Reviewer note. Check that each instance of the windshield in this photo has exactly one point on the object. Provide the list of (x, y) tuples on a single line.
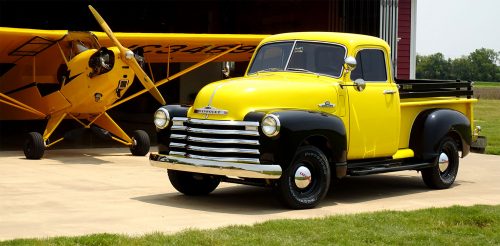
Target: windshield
[(301, 56)]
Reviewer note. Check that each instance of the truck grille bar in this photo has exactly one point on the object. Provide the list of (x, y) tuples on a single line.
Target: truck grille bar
[(225, 141)]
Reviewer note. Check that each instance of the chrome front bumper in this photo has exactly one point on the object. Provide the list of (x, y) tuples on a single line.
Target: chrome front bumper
[(242, 170)]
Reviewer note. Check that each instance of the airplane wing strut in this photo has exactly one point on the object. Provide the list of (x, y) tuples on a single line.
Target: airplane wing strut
[(163, 81), (17, 104)]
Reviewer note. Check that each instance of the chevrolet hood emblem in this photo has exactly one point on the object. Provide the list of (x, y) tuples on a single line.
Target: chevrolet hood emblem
[(210, 110)]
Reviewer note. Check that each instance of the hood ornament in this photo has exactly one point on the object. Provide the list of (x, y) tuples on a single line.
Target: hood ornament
[(326, 104)]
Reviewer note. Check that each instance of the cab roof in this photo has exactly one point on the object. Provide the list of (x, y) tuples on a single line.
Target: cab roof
[(348, 39)]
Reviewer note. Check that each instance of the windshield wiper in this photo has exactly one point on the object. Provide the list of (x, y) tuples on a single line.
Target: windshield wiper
[(271, 69), (300, 70)]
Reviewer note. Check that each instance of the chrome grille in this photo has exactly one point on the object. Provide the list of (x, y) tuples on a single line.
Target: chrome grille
[(229, 141)]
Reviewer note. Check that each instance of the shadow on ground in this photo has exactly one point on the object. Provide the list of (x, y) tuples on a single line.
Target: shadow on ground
[(256, 200)]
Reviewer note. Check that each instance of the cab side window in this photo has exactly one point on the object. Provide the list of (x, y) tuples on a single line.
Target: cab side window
[(371, 66)]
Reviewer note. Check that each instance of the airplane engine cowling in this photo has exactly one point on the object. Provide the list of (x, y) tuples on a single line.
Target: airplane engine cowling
[(101, 62)]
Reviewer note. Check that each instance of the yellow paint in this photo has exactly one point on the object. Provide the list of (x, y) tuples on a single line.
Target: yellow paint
[(377, 124), (403, 153), (52, 124)]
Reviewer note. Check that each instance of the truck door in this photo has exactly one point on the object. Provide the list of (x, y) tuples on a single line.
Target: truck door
[(373, 112)]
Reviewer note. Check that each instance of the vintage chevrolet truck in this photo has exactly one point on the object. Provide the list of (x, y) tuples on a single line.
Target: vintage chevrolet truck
[(312, 108)]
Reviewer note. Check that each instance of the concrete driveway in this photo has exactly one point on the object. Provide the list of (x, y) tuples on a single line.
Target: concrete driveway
[(83, 191)]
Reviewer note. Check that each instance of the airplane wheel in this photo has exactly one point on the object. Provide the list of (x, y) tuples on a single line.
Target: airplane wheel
[(141, 143), (34, 147)]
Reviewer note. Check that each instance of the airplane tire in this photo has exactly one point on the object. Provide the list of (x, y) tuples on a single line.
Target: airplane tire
[(141, 143), (34, 147)]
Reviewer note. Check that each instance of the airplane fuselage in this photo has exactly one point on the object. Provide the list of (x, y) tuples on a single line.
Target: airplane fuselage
[(90, 93)]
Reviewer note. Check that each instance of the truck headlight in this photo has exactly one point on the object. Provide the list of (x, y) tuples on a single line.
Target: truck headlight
[(161, 118), (271, 125)]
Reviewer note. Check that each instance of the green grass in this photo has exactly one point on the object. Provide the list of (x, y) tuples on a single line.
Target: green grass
[(487, 115), (477, 225), (486, 84)]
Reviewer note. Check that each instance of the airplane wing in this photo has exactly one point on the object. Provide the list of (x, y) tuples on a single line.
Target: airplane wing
[(30, 61), (187, 47)]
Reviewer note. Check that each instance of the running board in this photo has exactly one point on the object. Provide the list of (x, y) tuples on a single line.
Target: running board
[(359, 171)]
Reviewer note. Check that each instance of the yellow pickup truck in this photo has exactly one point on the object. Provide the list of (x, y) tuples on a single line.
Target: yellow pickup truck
[(314, 107)]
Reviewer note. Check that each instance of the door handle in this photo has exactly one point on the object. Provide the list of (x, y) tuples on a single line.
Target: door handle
[(389, 92)]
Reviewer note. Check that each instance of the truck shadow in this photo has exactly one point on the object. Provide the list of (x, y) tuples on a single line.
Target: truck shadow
[(255, 200)]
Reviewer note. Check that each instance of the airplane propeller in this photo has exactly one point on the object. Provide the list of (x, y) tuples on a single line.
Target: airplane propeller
[(129, 58)]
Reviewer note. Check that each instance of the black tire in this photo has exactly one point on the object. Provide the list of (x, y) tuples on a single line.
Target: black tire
[(442, 176), (34, 147), (193, 184), (293, 196), (141, 144)]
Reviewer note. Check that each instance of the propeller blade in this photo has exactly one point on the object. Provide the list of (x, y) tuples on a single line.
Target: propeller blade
[(107, 30), (129, 58)]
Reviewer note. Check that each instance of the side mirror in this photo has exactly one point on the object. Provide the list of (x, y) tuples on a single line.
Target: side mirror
[(227, 68), (350, 63), (360, 84)]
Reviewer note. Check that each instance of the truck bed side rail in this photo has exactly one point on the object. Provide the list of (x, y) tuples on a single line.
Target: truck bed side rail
[(433, 88)]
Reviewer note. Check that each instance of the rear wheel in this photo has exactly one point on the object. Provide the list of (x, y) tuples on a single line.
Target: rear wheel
[(443, 173), (193, 184), (34, 146), (141, 144), (306, 180)]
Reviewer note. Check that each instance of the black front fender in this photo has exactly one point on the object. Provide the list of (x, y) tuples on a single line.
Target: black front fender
[(298, 126)]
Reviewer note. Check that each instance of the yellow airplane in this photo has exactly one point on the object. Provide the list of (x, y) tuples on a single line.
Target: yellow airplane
[(59, 74)]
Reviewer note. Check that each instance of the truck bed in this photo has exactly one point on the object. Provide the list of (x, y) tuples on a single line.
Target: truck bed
[(419, 88), (419, 95)]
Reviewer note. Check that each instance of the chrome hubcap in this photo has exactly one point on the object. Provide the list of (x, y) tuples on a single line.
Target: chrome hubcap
[(302, 177), (443, 162)]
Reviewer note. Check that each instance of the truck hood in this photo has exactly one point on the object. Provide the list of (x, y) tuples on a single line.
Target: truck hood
[(266, 92)]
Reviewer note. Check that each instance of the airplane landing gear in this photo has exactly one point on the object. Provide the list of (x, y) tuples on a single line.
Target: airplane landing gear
[(140, 145), (34, 146)]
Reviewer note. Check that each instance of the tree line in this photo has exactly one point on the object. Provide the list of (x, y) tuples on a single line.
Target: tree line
[(480, 65)]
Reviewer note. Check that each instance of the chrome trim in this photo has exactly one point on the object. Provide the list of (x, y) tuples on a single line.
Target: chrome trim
[(177, 153), (225, 159), (177, 145), (167, 118), (302, 177), (223, 122), (213, 95), (278, 125), (327, 104), (223, 132), (208, 110), (178, 136), (223, 150), (216, 168), (179, 119), (223, 141), (181, 128)]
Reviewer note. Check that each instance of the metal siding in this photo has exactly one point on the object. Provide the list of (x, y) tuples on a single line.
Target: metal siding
[(404, 33)]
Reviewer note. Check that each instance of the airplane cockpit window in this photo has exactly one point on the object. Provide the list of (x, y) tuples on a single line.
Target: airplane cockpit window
[(78, 47), (77, 42)]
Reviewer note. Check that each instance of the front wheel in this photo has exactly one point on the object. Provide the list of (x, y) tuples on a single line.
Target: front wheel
[(306, 180), (34, 146), (140, 143), (193, 184), (443, 173)]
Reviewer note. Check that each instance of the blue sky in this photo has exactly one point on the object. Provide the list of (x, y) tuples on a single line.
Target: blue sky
[(457, 27)]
